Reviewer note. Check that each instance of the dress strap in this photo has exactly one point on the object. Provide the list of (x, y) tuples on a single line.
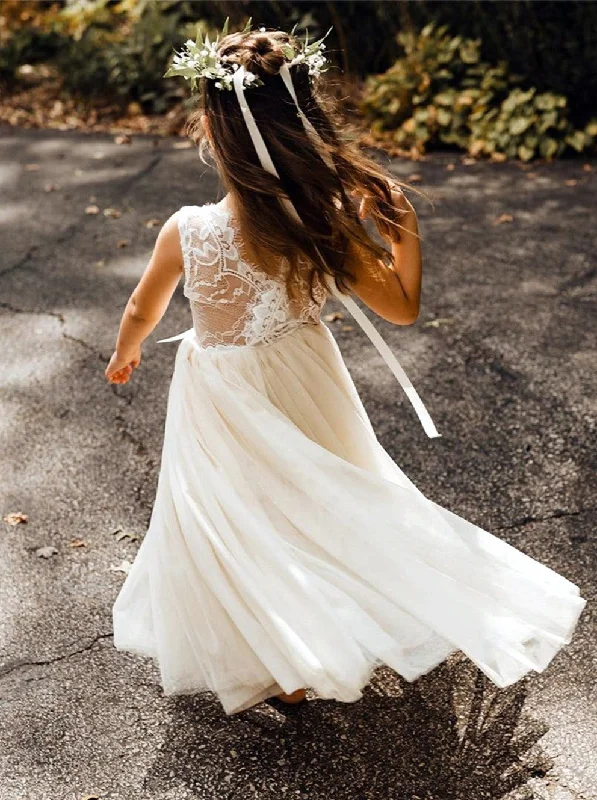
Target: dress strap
[(392, 362), (183, 216)]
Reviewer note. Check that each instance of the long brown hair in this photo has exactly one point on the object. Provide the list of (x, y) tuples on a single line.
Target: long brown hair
[(320, 194)]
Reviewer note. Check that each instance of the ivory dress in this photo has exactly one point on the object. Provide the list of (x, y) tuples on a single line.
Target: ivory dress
[(286, 549)]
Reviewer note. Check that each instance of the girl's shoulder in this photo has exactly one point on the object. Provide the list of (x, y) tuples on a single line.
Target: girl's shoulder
[(209, 221), (199, 212)]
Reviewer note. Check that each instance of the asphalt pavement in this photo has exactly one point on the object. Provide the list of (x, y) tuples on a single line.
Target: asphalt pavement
[(504, 356)]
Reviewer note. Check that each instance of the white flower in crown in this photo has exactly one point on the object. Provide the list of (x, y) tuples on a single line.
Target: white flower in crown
[(199, 59)]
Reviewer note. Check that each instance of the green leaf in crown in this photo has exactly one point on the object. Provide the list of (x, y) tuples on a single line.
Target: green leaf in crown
[(199, 59)]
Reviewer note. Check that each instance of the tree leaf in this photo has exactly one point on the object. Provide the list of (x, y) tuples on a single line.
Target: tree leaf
[(503, 218), (46, 552), (113, 213), (436, 323), (16, 518), (124, 566), (121, 534), (133, 537)]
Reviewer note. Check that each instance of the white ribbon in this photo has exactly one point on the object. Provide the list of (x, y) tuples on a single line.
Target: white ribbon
[(266, 162)]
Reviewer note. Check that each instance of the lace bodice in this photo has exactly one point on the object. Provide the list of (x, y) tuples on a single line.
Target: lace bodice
[(234, 302)]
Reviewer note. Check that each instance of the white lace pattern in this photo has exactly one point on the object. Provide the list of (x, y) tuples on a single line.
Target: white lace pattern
[(234, 302)]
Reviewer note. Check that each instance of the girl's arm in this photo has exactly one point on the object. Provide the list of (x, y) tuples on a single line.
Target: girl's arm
[(148, 302), (392, 293)]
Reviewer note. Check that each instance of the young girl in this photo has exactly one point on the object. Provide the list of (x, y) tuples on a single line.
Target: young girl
[(286, 549)]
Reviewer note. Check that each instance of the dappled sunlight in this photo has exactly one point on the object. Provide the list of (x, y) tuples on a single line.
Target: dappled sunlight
[(11, 214), (502, 367)]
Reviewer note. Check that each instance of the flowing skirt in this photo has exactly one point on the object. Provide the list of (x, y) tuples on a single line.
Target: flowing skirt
[(286, 549)]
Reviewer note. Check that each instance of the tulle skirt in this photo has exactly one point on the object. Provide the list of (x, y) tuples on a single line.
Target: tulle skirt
[(286, 549)]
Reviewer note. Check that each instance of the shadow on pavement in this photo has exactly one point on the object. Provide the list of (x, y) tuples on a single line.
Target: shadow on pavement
[(452, 734)]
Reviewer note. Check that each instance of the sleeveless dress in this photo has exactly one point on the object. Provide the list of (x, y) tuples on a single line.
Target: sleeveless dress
[(286, 549)]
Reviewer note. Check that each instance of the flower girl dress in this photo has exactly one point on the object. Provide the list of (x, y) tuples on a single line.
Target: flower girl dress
[(286, 549)]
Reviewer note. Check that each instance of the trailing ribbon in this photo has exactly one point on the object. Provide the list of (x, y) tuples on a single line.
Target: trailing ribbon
[(360, 318), (392, 362)]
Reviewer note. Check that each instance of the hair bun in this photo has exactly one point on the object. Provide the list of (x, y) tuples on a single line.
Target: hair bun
[(263, 57)]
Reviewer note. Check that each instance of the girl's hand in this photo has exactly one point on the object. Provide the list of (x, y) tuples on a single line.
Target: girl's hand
[(119, 370)]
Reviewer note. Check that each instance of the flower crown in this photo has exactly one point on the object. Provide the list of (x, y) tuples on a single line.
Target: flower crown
[(199, 59)]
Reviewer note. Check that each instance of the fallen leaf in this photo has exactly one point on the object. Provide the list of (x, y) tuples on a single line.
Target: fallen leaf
[(498, 158), (16, 518), (92, 210), (153, 223), (531, 175), (100, 263), (46, 552), (78, 543), (336, 315), (468, 161), (503, 218), (571, 182), (133, 537), (113, 213), (587, 168), (347, 328), (121, 534), (124, 566), (134, 109), (415, 177), (50, 187), (122, 243), (98, 156), (450, 167), (123, 138), (32, 167), (182, 145), (435, 323)]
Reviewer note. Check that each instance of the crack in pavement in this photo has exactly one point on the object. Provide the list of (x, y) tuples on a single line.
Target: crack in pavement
[(15, 665), (62, 320), (578, 281), (129, 182), (557, 514), (21, 261), (61, 238), (68, 233), (15, 310)]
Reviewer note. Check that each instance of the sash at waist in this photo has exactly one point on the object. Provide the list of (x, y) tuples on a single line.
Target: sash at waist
[(382, 348)]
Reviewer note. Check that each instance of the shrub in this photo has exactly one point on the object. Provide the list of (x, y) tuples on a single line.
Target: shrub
[(123, 58), (442, 92), (113, 50), (24, 37)]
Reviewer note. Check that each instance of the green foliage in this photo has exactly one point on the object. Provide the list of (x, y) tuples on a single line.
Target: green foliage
[(24, 39), (553, 43), (442, 92), (124, 61)]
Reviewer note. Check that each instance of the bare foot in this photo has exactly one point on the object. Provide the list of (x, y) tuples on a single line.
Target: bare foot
[(295, 697)]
